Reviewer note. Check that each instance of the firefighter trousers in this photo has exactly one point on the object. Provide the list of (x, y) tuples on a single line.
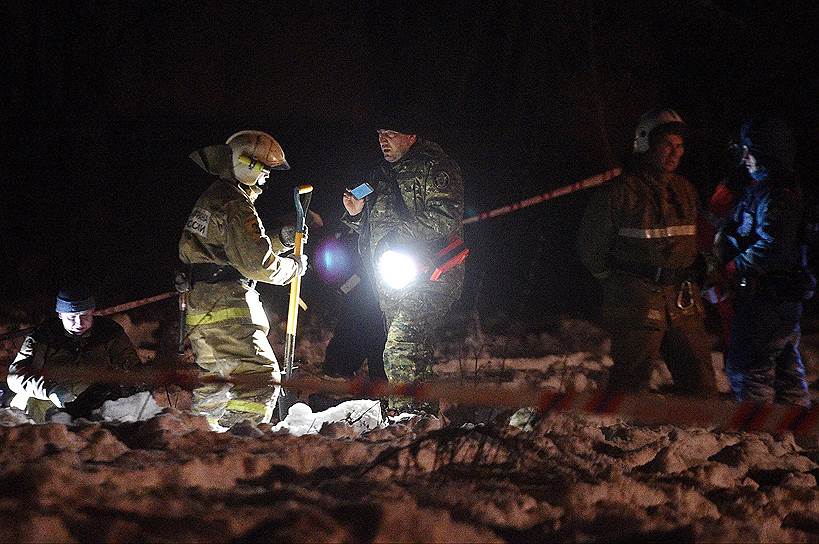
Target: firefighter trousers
[(228, 333), (682, 344)]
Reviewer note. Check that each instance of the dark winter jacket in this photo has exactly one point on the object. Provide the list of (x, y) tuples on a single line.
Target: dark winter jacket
[(764, 235), (634, 228), (50, 347), (641, 219)]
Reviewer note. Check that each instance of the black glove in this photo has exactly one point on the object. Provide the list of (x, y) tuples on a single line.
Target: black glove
[(721, 248), (287, 235), (713, 272)]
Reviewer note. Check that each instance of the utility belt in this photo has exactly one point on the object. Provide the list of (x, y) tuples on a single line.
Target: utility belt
[(655, 274), (213, 273)]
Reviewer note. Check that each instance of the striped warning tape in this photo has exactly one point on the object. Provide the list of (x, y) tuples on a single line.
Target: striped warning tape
[(648, 408), (587, 183)]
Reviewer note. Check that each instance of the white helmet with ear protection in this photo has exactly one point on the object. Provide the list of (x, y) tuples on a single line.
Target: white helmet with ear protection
[(254, 155), (666, 119)]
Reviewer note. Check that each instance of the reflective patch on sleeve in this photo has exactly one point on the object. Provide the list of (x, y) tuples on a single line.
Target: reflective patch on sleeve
[(247, 406), (441, 180), (198, 222), (350, 284), (655, 315)]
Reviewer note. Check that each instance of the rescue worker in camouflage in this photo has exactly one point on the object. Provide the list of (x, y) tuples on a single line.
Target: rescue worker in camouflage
[(416, 206), (227, 250), (74, 341), (638, 237), (762, 248)]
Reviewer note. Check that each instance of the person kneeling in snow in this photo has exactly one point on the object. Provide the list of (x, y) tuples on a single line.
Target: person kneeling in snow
[(75, 340)]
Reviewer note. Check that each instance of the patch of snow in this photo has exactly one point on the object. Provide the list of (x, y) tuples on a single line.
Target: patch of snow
[(10, 417), (363, 415), (139, 407)]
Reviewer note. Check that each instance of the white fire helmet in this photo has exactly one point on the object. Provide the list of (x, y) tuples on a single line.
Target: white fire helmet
[(255, 154), (652, 120)]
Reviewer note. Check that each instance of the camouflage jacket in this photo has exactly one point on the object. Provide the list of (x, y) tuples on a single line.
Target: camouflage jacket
[(49, 347), (224, 228), (418, 202)]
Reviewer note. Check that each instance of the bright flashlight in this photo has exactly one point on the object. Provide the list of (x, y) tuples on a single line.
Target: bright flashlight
[(397, 269)]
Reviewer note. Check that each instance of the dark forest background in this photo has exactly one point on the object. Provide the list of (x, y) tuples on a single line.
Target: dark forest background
[(103, 101)]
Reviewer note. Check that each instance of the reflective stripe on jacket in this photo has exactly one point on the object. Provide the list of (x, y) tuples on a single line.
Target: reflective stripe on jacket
[(640, 219)]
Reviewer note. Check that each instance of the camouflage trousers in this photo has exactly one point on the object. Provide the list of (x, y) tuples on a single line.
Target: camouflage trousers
[(228, 333), (409, 353)]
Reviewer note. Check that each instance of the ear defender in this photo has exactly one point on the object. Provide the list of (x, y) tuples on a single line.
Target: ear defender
[(254, 166)]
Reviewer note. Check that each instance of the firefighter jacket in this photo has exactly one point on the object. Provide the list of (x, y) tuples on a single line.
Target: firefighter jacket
[(50, 348), (763, 238), (417, 204), (638, 235), (224, 229)]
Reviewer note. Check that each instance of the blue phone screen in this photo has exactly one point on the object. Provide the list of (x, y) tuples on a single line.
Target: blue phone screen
[(361, 191)]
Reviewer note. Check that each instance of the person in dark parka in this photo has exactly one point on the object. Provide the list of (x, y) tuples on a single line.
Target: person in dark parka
[(765, 262)]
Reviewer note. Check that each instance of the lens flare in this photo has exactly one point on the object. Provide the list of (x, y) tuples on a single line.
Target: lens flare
[(333, 261)]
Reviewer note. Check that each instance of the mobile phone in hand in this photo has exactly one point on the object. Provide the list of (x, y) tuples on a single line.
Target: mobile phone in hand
[(361, 191)]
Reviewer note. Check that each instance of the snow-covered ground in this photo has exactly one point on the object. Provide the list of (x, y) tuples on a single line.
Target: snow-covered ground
[(344, 475)]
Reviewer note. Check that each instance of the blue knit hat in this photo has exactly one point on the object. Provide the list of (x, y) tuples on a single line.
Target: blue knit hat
[(74, 299)]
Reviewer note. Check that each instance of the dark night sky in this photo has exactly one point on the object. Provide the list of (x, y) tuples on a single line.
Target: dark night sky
[(104, 101)]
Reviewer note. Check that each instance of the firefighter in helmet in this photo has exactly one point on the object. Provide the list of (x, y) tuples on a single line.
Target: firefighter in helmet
[(638, 237), (227, 251)]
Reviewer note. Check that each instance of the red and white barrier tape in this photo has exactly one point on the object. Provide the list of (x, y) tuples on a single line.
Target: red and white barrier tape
[(587, 183), (647, 409)]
